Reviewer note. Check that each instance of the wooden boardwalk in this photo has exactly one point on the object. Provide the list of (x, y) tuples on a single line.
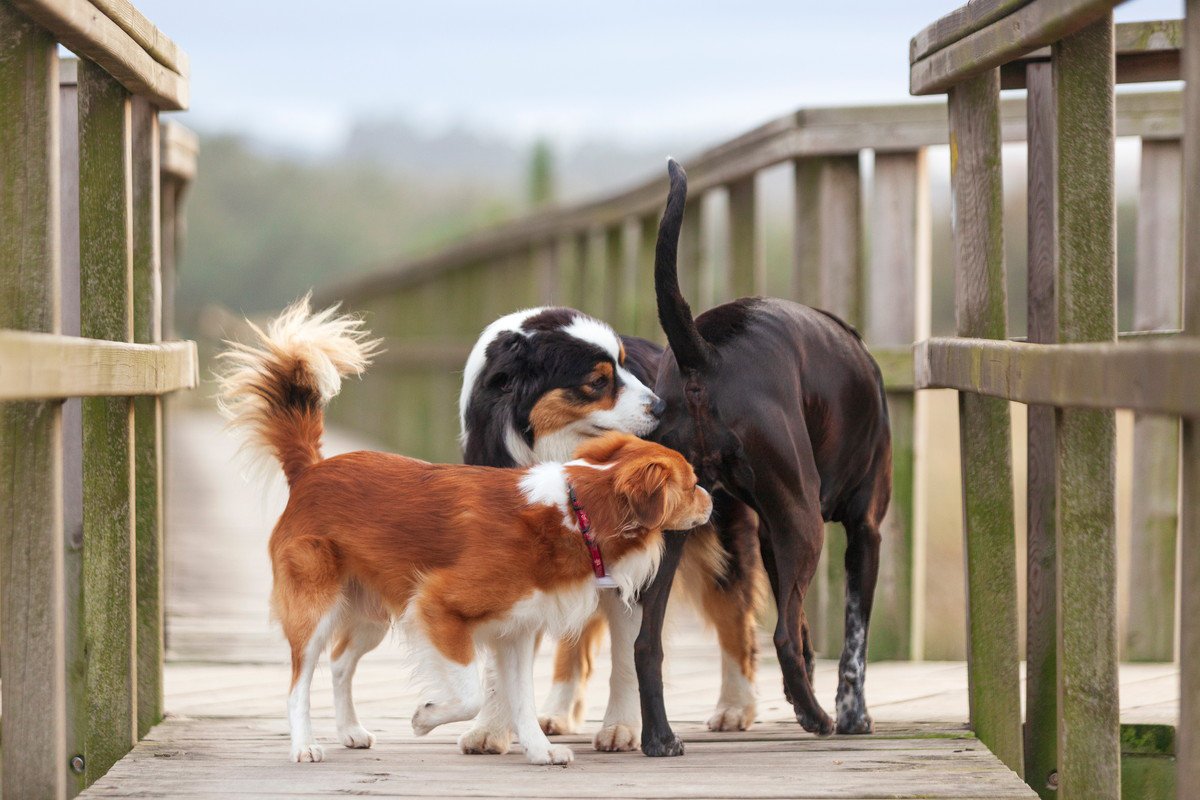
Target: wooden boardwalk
[(226, 681)]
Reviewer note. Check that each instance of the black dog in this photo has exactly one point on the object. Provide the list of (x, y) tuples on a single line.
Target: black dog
[(778, 406)]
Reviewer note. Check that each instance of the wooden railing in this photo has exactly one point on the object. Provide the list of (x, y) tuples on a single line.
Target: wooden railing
[(598, 257), (89, 182), (1072, 371)]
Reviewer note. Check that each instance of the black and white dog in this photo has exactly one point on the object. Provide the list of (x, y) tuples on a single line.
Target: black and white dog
[(537, 384)]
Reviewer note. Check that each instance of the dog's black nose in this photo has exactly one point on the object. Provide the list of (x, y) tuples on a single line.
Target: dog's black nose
[(658, 407)]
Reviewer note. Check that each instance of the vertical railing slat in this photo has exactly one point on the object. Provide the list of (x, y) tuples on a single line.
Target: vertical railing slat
[(981, 311), (1187, 743), (614, 261), (31, 485), (147, 327), (106, 309), (897, 271), (646, 310), (1041, 633), (1088, 712), (745, 264), (1150, 628)]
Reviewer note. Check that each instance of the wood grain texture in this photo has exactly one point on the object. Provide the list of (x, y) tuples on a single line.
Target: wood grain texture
[(960, 22), (143, 31), (1026, 28), (89, 33), (1085, 309), (51, 366), (1041, 631), (981, 311), (1145, 51), (1188, 743), (897, 274), (32, 646), (1150, 627), (106, 312), (799, 135)]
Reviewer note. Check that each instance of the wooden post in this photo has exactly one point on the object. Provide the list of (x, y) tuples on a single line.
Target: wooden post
[(1187, 743), (746, 276), (981, 311), (646, 307), (1150, 630), (147, 327), (898, 270), (827, 274), (628, 301), (547, 267), (31, 504), (1088, 713), (613, 248), (689, 258), (1041, 633), (106, 310)]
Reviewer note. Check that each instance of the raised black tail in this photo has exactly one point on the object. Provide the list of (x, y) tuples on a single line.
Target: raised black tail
[(692, 353)]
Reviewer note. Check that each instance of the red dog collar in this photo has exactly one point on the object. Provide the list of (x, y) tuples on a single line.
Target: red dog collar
[(585, 527)]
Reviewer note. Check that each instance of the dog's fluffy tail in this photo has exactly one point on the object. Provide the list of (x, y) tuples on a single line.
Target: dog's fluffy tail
[(692, 353), (275, 389)]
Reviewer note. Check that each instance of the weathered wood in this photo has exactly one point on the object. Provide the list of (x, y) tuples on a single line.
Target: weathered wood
[(147, 416), (630, 245), (547, 268), (49, 366), (960, 22), (106, 311), (690, 255), (1026, 28), (988, 525), (612, 242), (1150, 627), (1085, 309), (1041, 632), (1187, 751), (803, 134), (897, 287), (89, 33), (179, 151), (143, 31), (746, 276), (1153, 375), (646, 308), (1145, 51), (827, 251), (32, 646)]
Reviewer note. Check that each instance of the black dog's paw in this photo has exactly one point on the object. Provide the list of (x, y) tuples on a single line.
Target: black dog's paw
[(821, 726), (659, 747)]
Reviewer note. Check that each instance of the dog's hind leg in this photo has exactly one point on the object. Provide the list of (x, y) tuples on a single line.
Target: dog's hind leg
[(514, 669), (361, 629), (573, 658), (862, 569)]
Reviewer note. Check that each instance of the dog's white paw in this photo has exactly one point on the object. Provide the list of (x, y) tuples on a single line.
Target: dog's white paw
[(554, 754), (307, 753), (356, 736), (616, 738), (484, 741), (732, 718), (556, 725)]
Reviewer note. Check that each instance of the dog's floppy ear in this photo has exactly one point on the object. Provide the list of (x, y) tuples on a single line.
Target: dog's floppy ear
[(603, 449), (506, 357), (644, 485)]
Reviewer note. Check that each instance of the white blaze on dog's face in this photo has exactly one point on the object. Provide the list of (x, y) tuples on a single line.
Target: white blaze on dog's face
[(540, 382)]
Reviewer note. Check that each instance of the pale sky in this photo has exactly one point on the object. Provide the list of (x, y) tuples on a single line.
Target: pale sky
[(298, 72)]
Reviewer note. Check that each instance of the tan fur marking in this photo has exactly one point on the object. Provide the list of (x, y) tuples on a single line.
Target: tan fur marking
[(574, 657)]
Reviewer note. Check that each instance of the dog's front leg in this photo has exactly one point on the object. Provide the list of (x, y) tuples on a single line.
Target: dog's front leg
[(492, 731), (514, 669), (657, 737), (623, 717)]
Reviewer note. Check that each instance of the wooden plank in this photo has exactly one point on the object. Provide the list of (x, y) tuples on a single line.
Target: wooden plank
[(147, 417), (547, 269), (89, 33), (1146, 51), (45, 365), (1026, 28), (1085, 309), (1150, 627), (33, 726), (1041, 566), (1150, 375), (803, 134), (143, 31), (959, 23), (988, 525), (179, 150), (690, 255), (897, 275), (612, 244), (827, 248), (1187, 751), (106, 312), (746, 274), (646, 310), (627, 285)]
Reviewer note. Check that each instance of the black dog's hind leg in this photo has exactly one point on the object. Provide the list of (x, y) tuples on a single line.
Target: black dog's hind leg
[(657, 737), (862, 569)]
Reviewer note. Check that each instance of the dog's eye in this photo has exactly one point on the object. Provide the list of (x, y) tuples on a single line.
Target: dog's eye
[(599, 383)]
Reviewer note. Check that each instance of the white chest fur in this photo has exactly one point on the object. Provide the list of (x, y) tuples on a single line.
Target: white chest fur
[(561, 613)]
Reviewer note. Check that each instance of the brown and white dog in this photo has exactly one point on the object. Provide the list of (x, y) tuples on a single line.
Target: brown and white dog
[(465, 557), (539, 383)]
